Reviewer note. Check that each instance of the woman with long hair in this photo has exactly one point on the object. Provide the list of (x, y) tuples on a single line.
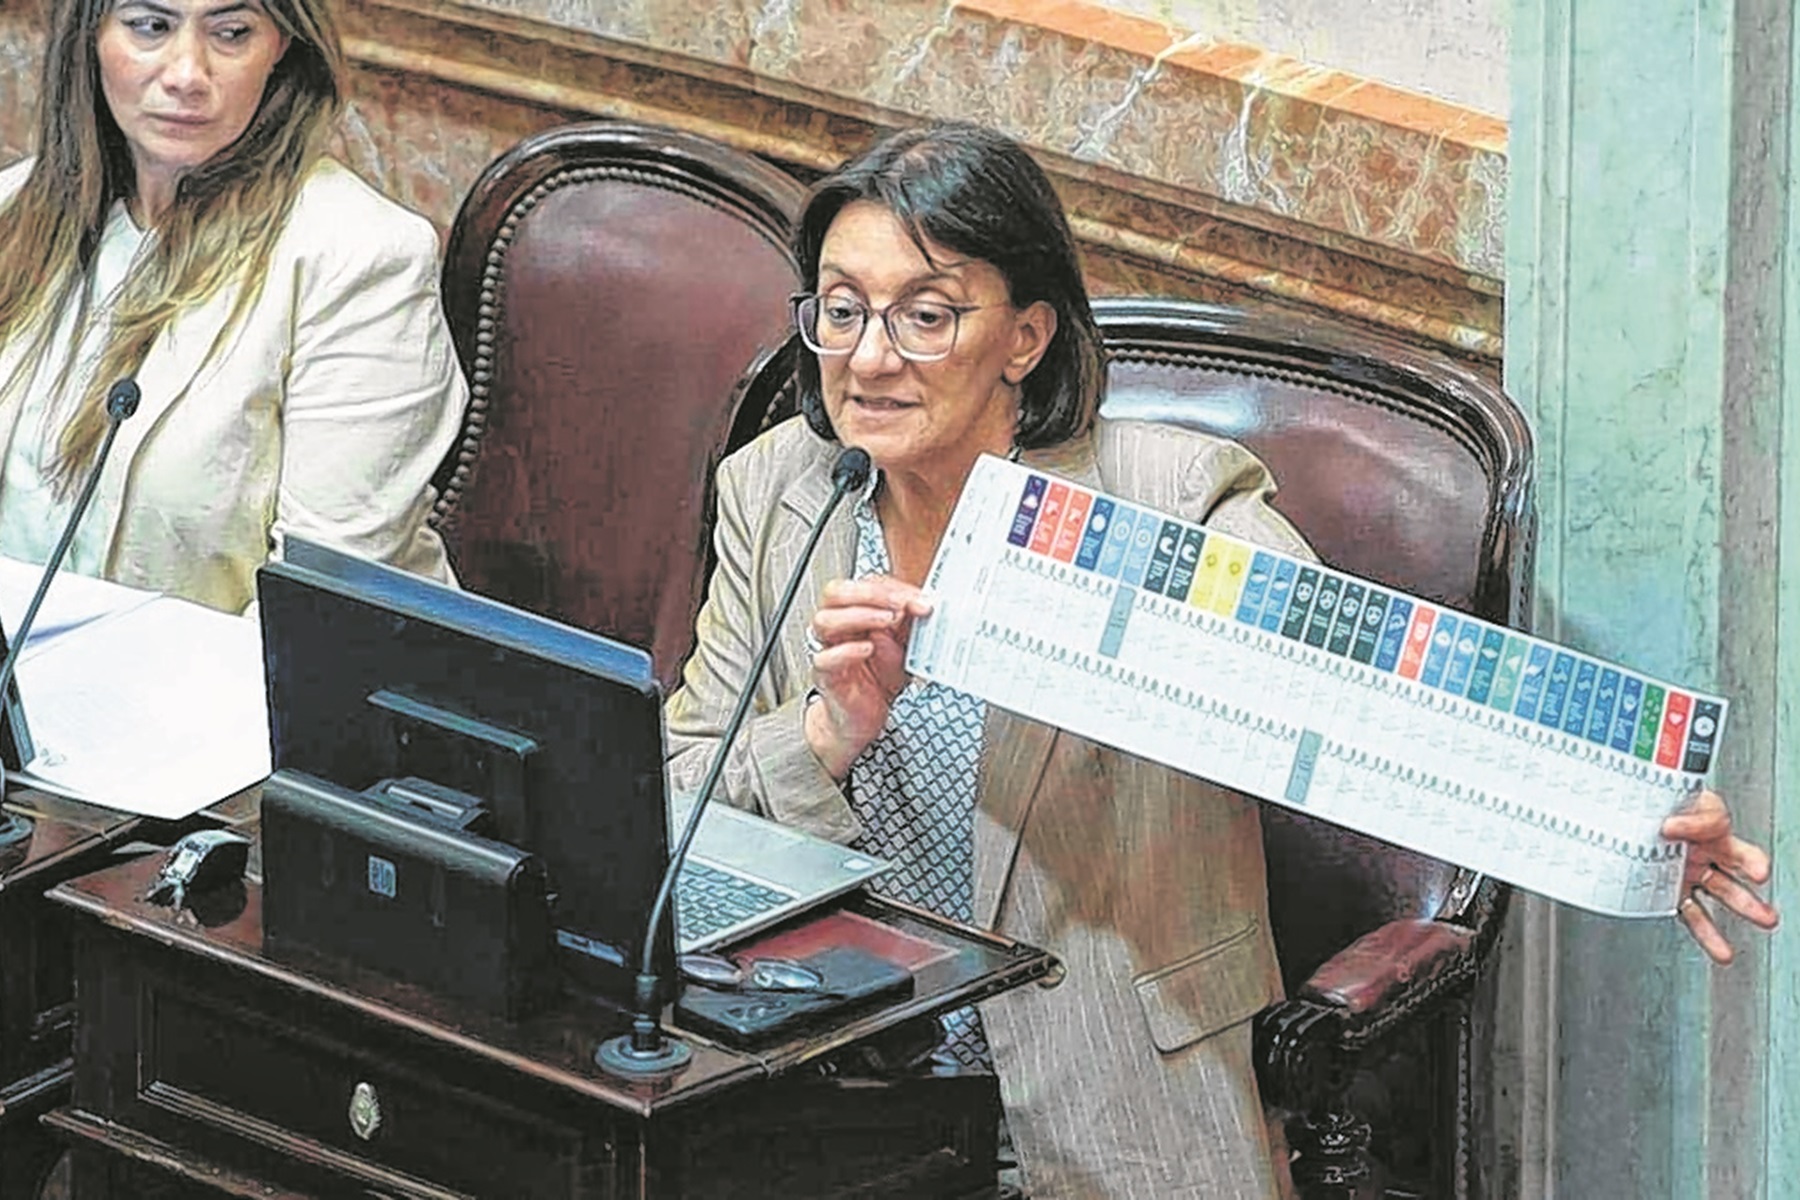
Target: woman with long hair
[(182, 224)]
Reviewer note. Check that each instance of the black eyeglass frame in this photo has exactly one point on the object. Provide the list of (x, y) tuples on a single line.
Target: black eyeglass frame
[(957, 311)]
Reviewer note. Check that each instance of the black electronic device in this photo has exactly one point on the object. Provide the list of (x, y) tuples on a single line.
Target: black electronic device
[(199, 863), (16, 749), (375, 674), (647, 1050), (394, 878)]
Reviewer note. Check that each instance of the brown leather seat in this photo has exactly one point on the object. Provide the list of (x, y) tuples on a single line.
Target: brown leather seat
[(1402, 467), (606, 284)]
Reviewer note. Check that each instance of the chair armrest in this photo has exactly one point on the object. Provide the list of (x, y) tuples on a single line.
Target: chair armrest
[(1298, 1050), (1387, 976), (1306, 1046)]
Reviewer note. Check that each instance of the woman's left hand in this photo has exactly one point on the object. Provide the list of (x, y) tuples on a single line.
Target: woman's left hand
[(1720, 867)]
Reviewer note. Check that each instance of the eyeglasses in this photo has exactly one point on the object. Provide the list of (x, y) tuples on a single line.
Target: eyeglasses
[(758, 975), (920, 330)]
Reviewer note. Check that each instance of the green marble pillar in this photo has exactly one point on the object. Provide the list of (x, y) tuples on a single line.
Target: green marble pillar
[(1653, 334)]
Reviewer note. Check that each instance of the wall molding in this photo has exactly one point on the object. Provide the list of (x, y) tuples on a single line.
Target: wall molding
[(1139, 234)]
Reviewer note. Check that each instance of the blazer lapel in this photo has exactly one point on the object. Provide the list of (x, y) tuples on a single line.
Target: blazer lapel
[(834, 558), (168, 373), (1012, 767), (1017, 750)]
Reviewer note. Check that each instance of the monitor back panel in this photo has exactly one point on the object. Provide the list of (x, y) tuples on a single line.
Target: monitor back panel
[(374, 674)]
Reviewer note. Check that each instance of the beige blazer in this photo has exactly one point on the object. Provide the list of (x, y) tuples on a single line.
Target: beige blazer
[(323, 415), (1132, 1077)]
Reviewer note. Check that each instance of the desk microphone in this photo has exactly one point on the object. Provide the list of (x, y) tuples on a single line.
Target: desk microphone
[(121, 402), (647, 1049)]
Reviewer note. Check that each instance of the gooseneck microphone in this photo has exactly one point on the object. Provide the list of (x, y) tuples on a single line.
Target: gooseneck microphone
[(648, 1049), (121, 402)]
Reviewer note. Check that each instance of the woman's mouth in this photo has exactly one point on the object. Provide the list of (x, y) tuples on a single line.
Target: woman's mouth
[(881, 403)]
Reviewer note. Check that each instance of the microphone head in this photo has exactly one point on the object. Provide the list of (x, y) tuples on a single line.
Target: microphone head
[(122, 399), (852, 469)]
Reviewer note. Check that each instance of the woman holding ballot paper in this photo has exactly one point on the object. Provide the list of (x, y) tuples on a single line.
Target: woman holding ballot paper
[(182, 225), (944, 318)]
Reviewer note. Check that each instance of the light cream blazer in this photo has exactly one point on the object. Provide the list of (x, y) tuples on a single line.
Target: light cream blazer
[(1132, 1078), (323, 414)]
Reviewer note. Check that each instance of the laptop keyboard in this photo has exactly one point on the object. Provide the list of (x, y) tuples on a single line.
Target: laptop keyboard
[(708, 900)]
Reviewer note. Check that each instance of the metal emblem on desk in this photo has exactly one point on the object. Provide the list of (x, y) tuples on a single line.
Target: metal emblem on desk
[(365, 1111)]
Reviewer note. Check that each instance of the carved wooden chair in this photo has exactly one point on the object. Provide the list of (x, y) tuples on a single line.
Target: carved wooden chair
[(606, 284), (1403, 467)]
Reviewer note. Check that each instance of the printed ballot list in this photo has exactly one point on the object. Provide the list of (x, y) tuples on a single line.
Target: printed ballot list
[(1322, 691)]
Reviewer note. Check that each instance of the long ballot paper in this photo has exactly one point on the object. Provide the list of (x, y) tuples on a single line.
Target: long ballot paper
[(1318, 690)]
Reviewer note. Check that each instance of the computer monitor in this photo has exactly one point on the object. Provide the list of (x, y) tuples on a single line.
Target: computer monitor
[(376, 674)]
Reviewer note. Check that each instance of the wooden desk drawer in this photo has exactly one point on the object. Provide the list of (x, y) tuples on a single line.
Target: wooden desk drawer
[(199, 1058), (305, 1094)]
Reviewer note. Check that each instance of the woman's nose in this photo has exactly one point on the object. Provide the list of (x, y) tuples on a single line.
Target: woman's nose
[(188, 67), (874, 352)]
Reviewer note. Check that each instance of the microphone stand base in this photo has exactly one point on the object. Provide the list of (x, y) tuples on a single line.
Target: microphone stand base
[(616, 1056)]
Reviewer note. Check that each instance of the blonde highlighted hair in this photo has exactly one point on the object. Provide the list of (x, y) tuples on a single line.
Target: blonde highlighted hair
[(220, 231)]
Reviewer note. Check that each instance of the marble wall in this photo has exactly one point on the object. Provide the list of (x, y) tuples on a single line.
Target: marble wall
[(21, 45), (1190, 166), (1453, 49)]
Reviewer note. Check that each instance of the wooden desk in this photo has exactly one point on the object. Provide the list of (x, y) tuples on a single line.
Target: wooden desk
[(203, 1059), (37, 1010)]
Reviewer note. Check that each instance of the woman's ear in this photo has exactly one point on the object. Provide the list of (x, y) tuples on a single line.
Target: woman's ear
[(1032, 336)]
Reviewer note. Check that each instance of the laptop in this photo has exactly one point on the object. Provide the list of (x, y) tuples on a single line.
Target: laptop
[(744, 873)]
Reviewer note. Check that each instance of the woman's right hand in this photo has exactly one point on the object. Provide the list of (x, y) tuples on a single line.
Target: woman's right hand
[(861, 629)]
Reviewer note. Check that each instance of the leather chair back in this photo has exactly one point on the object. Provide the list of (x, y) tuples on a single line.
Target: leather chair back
[(1396, 465), (606, 284)]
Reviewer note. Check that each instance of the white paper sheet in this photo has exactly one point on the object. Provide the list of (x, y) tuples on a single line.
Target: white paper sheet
[(136, 701), (1329, 694), (72, 601)]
